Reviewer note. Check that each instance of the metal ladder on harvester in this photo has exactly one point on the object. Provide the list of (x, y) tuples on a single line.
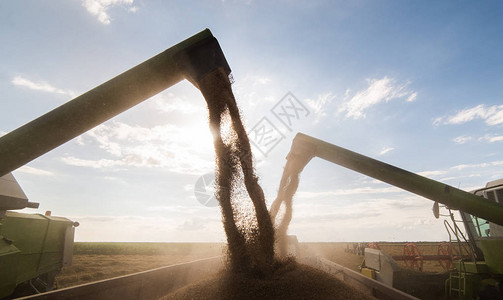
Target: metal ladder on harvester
[(456, 284)]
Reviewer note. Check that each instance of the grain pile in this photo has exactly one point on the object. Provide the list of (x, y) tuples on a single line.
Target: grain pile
[(289, 282)]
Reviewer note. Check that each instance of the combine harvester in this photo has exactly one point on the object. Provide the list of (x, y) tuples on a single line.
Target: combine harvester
[(191, 59), (478, 275), (33, 247)]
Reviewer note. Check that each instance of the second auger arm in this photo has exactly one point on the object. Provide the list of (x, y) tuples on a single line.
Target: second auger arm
[(305, 147)]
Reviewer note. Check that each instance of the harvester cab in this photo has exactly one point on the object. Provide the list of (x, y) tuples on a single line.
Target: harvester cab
[(482, 213), (477, 227), (34, 247), (482, 239)]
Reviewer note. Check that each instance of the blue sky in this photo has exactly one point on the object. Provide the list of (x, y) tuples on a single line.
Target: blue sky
[(414, 84)]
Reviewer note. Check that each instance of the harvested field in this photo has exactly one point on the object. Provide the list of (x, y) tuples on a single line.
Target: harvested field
[(124, 248), (98, 261)]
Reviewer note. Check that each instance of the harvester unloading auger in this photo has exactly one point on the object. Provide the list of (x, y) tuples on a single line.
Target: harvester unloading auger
[(198, 59), (478, 209), (191, 59)]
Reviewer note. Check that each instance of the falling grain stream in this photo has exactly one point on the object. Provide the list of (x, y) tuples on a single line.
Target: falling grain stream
[(254, 272), (251, 250)]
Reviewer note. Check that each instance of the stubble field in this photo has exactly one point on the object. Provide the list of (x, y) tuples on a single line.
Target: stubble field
[(98, 261)]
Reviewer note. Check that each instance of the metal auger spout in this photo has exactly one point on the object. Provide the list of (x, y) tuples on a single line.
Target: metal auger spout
[(191, 59), (305, 147)]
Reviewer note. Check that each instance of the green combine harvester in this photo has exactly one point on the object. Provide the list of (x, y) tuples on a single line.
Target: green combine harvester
[(33, 247)]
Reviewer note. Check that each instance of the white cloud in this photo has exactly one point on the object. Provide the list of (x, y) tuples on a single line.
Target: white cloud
[(149, 229), (488, 138), (319, 105), (253, 91), (478, 166), (492, 115), (169, 102), (115, 179), (466, 176), (41, 86), (430, 174), (463, 173), (34, 171), (412, 97), (257, 80), (165, 146), (462, 139), (178, 209), (79, 140), (386, 150), (378, 90), (491, 138), (192, 224), (99, 8), (97, 164), (377, 209), (341, 192)]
